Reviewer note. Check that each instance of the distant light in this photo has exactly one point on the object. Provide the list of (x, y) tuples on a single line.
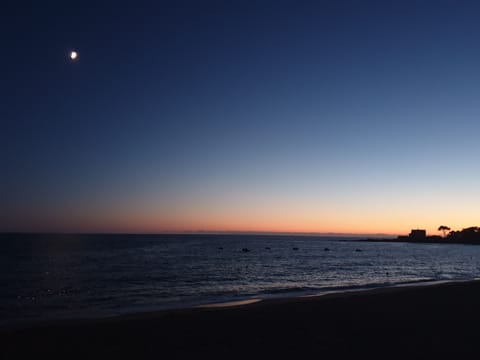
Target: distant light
[(73, 55)]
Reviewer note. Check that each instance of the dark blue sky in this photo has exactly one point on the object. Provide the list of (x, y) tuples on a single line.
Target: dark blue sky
[(355, 116)]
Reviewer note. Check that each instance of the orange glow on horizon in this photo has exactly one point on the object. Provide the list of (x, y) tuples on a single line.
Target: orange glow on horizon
[(248, 224), (178, 217)]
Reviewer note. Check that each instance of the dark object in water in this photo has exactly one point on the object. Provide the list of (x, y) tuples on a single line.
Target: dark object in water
[(326, 249), (245, 250), (358, 250), (295, 248), (220, 248), (267, 248)]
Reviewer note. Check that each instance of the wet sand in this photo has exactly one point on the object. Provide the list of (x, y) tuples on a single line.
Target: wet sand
[(409, 322)]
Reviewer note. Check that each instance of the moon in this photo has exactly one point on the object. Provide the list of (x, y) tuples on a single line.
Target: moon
[(73, 55)]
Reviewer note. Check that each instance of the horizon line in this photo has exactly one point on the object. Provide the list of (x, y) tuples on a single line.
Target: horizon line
[(199, 232)]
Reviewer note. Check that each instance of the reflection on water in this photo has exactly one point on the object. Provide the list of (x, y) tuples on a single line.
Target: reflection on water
[(81, 276)]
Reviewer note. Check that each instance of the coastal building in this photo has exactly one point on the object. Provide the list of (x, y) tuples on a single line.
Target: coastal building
[(418, 234)]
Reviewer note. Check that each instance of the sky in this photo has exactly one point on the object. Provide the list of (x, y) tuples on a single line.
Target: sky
[(357, 117)]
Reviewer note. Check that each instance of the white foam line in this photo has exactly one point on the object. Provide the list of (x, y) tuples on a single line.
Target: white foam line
[(230, 303), (412, 284)]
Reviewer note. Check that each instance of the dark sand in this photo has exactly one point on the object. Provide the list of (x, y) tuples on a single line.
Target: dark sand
[(411, 322)]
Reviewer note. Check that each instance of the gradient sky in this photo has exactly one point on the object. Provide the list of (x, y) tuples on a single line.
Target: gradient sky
[(308, 116)]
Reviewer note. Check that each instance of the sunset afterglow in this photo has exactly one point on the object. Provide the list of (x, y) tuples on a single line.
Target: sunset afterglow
[(303, 118)]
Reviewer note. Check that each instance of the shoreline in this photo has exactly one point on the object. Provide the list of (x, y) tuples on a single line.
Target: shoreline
[(424, 318), (227, 303)]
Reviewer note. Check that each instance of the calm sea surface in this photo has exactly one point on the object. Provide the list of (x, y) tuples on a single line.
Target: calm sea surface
[(52, 277)]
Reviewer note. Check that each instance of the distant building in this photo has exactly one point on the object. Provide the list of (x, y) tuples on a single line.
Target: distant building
[(418, 234)]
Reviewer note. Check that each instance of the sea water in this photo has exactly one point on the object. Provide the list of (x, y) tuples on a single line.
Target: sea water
[(45, 277)]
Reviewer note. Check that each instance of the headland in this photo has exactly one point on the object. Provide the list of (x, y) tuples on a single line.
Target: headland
[(470, 235)]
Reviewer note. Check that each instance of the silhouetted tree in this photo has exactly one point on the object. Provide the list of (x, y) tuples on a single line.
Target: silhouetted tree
[(443, 229), (471, 229), (470, 235)]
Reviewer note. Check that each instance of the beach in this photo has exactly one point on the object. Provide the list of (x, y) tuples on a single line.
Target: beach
[(413, 321)]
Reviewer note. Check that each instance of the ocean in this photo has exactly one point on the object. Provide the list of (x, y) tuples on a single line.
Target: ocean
[(49, 277)]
